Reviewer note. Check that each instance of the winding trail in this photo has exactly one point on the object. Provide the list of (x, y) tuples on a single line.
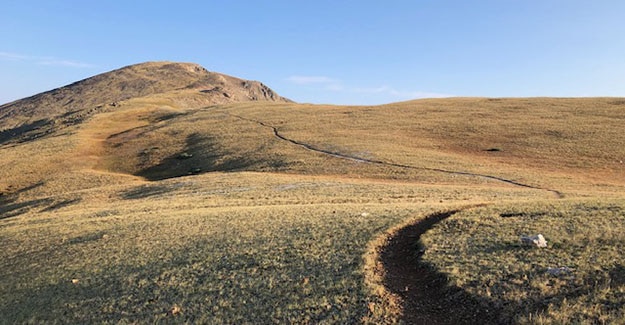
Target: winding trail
[(425, 296), (306, 146), (423, 293)]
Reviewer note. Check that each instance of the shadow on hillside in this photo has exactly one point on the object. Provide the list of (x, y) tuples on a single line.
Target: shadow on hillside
[(145, 191), (15, 209), (42, 128), (30, 187), (427, 297), (10, 207), (611, 277), (61, 204), (26, 132), (203, 154)]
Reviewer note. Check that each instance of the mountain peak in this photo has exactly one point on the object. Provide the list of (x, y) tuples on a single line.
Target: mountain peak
[(87, 96)]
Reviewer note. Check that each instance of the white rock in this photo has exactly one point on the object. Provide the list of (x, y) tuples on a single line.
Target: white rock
[(538, 241)]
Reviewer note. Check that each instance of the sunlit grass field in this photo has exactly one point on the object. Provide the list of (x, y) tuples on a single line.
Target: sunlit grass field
[(480, 250), (223, 248), (269, 213)]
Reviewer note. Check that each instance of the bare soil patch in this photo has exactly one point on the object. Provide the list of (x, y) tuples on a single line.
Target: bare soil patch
[(426, 297)]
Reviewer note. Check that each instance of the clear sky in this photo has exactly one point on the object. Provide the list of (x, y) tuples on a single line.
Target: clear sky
[(322, 51)]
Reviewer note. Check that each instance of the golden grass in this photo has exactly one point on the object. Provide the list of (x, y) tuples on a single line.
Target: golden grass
[(480, 251), (567, 144), (271, 231), (243, 247)]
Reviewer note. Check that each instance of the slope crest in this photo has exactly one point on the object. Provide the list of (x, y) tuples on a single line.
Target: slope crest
[(73, 103)]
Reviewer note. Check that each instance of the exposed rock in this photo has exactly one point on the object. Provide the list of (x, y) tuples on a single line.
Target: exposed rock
[(557, 271), (184, 155), (537, 241)]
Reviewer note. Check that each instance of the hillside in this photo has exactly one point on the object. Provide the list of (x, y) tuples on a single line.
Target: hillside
[(193, 85), (162, 192)]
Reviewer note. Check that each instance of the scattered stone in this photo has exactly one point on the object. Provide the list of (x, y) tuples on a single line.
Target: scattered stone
[(184, 155), (538, 241), (557, 271), (75, 281), (176, 310), (365, 214)]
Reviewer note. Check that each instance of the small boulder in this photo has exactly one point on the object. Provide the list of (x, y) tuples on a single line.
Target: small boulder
[(557, 271), (184, 155), (537, 241), (195, 171)]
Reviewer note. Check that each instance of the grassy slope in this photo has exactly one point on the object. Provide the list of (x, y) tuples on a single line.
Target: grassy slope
[(225, 248), (286, 244), (584, 236), (543, 142)]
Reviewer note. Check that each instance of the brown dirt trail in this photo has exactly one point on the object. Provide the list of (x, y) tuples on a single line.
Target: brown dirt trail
[(424, 294)]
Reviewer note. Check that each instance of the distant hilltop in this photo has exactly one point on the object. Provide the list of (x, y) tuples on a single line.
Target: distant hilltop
[(189, 84)]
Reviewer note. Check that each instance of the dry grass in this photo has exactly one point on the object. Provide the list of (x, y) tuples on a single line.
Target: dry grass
[(271, 231), (566, 144), (480, 251), (224, 248), (187, 84)]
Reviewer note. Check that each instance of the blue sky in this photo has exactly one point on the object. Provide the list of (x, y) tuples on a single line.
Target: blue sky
[(339, 52)]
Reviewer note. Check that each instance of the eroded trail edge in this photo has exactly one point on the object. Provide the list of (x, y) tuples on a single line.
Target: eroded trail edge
[(336, 154), (421, 293)]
